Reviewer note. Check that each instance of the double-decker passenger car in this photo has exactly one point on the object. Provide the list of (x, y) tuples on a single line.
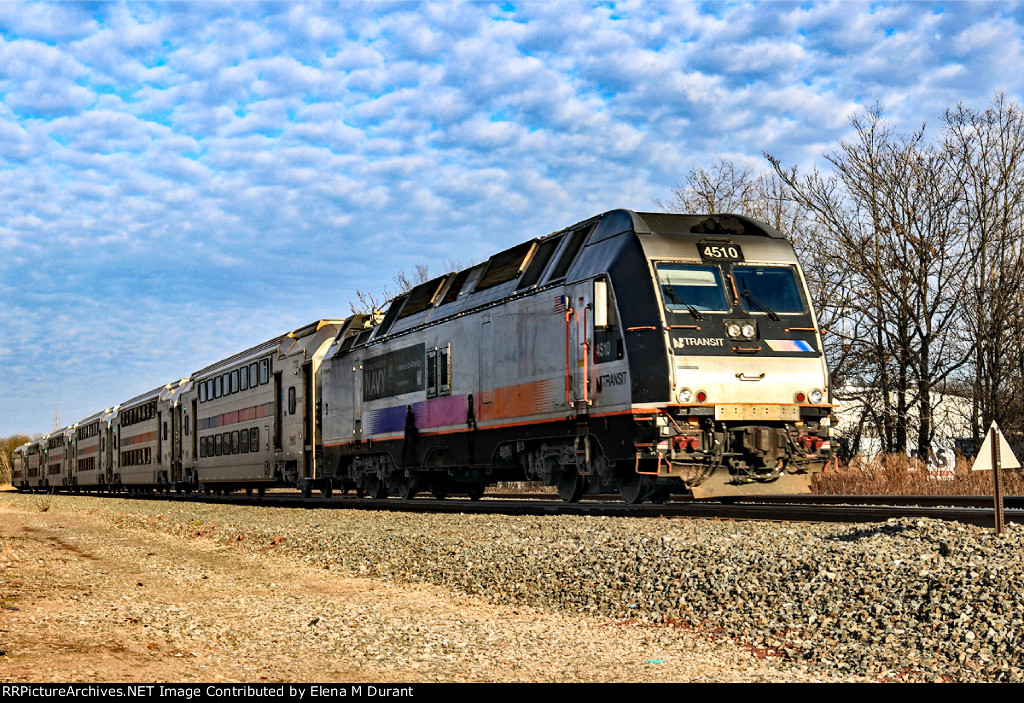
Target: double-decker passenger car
[(18, 477), (58, 457), (92, 453), (35, 469), (255, 416)]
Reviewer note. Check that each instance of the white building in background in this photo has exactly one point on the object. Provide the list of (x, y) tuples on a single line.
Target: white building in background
[(951, 420)]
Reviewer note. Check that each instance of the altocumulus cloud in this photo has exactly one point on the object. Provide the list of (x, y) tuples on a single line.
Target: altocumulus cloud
[(179, 181)]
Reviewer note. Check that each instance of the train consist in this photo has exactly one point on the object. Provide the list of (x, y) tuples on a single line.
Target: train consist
[(638, 353)]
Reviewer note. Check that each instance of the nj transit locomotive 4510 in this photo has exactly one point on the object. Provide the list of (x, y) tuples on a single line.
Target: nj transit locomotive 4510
[(643, 353)]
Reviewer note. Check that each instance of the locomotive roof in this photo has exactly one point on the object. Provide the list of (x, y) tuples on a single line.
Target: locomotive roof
[(703, 225), (666, 235), (563, 256)]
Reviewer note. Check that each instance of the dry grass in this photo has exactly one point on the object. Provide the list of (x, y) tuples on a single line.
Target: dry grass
[(524, 487), (895, 474), (42, 501)]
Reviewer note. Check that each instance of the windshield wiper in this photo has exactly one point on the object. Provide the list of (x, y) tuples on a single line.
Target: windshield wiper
[(756, 302), (671, 293)]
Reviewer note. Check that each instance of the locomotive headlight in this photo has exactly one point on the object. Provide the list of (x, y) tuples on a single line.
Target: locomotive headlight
[(741, 330), (816, 396), (685, 395)]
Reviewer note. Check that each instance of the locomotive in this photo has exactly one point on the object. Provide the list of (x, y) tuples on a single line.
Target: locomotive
[(639, 353)]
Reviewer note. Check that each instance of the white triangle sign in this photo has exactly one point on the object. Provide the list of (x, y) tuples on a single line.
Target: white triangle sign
[(1007, 460)]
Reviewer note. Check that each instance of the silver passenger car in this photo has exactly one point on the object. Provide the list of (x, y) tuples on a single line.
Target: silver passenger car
[(252, 420), (143, 444), (92, 452)]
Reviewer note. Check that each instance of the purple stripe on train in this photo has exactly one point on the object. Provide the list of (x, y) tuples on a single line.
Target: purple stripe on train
[(436, 412)]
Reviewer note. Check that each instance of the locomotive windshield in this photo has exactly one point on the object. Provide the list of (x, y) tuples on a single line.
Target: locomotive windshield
[(772, 289), (686, 286)]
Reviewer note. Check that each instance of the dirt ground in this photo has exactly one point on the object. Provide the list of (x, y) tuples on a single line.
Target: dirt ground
[(85, 599)]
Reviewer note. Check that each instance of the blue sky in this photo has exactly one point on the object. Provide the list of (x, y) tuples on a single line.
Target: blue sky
[(181, 181)]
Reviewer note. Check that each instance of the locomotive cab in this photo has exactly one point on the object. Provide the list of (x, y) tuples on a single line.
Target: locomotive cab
[(748, 408)]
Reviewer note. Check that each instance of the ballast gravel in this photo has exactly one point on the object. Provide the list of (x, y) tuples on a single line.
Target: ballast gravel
[(905, 600)]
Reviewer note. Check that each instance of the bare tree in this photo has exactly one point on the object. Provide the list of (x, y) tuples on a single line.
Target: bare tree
[(988, 147), (914, 257), (887, 239), (371, 303), (7, 447)]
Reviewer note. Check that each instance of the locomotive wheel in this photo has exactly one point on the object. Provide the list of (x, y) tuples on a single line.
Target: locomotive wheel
[(376, 489), (571, 485), (327, 491), (476, 492), (439, 493), (407, 487), (634, 488)]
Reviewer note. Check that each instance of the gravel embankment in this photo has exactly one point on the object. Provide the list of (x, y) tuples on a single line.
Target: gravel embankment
[(907, 600)]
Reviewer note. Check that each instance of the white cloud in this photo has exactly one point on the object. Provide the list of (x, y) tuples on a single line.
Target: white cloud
[(187, 162)]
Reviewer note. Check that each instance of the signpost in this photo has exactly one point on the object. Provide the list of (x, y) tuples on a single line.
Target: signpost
[(995, 455)]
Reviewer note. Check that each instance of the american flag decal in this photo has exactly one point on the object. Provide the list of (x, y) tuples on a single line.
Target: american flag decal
[(560, 303)]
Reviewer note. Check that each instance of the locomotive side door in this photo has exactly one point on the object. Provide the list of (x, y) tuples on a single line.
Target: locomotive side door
[(357, 401), (486, 369), (579, 341)]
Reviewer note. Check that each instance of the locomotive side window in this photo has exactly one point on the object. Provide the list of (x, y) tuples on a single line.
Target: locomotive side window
[(432, 373), (264, 371), (773, 287), (291, 400), (253, 378), (243, 378), (444, 370), (439, 371), (684, 286), (234, 381)]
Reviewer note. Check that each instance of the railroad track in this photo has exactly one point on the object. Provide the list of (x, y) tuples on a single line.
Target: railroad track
[(974, 510)]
